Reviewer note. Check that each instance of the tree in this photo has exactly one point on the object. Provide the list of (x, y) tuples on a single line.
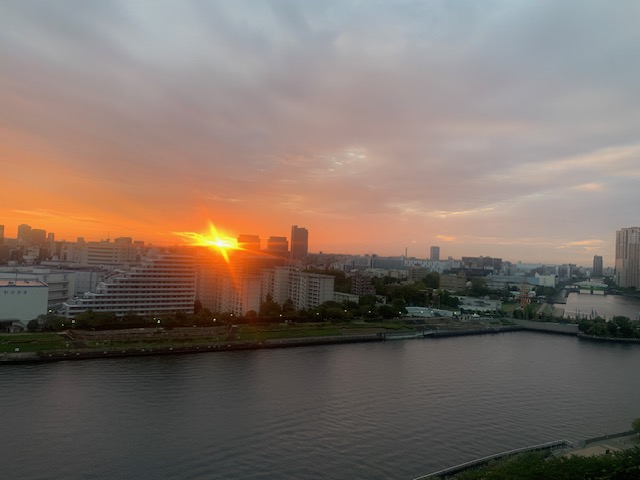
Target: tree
[(386, 311), (33, 325), (367, 299), (269, 308), (478, 287), (432, 280), (197, 306), (288, 308), (398, 305)]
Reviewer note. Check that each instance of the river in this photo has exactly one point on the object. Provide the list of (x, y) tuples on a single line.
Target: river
[(607, 306), (392, 410)]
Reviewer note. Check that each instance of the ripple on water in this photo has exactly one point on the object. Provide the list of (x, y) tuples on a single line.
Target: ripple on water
[(387, 410)]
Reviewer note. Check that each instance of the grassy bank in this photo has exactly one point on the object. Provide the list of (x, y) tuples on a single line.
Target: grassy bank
[(32, 342), (73, 341)]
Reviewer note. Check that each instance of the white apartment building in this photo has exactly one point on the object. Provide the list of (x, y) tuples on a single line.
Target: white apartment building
[(234, 294), (163, 283), (234, 287), (306, 290)]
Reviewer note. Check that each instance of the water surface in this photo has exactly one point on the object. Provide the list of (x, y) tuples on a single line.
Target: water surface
[(365, 411)]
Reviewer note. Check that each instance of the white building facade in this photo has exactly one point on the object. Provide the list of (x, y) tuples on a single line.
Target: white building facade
[(23, 300), (163, 283), (306, 290)]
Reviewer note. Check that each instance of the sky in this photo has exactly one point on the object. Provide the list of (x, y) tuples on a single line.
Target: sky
[(494, 128)]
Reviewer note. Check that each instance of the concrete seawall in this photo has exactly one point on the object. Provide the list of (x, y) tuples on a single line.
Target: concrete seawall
[(56, 356), (472, 331), (548, 327), (592, 338)]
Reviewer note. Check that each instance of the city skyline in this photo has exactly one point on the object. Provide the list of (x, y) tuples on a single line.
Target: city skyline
[(223, 244), (503, 129)]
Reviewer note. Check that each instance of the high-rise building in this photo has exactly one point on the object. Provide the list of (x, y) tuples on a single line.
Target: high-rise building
[(249, 242), (434, 255), (597, 266), (38, 237), (627, 271), (235, 286), (278, 246), (24, 234), (299, 243), (1, 234)]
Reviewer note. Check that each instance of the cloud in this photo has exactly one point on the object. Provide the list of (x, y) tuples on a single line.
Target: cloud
[(499, 118)]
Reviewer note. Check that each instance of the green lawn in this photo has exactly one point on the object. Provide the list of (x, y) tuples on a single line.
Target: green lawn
[(31, 342), (36, 342)]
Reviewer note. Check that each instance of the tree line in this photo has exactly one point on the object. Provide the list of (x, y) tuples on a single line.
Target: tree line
[(617, 327)]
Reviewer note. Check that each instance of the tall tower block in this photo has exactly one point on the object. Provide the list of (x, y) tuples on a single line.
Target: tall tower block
[(299, 243)]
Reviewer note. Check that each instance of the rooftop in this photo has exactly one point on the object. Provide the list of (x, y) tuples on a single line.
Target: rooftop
[(21, 283)]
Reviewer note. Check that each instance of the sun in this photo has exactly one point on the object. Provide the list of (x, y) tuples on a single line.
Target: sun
[(214, 240)]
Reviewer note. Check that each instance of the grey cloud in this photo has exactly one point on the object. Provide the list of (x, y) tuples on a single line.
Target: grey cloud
[(444, 97)]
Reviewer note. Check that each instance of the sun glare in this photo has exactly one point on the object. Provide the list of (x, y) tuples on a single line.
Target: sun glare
[(214, 240)]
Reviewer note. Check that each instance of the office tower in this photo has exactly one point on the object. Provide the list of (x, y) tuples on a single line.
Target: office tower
[(278, 246), (299, 243), (1, 234), (24, 234), (434, 255), (627, 272), (38, 237), (249, 242), (51, 237), (597, 266)]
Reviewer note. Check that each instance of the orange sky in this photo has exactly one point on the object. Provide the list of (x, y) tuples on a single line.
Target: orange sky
[(484, 130)]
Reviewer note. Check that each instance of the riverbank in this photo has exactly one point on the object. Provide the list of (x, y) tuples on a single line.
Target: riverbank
[(136, 343), (593, 338), (591, 447), (74, 355), (86, 345)]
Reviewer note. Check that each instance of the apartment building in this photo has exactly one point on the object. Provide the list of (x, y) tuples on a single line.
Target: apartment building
[(163, 283)]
